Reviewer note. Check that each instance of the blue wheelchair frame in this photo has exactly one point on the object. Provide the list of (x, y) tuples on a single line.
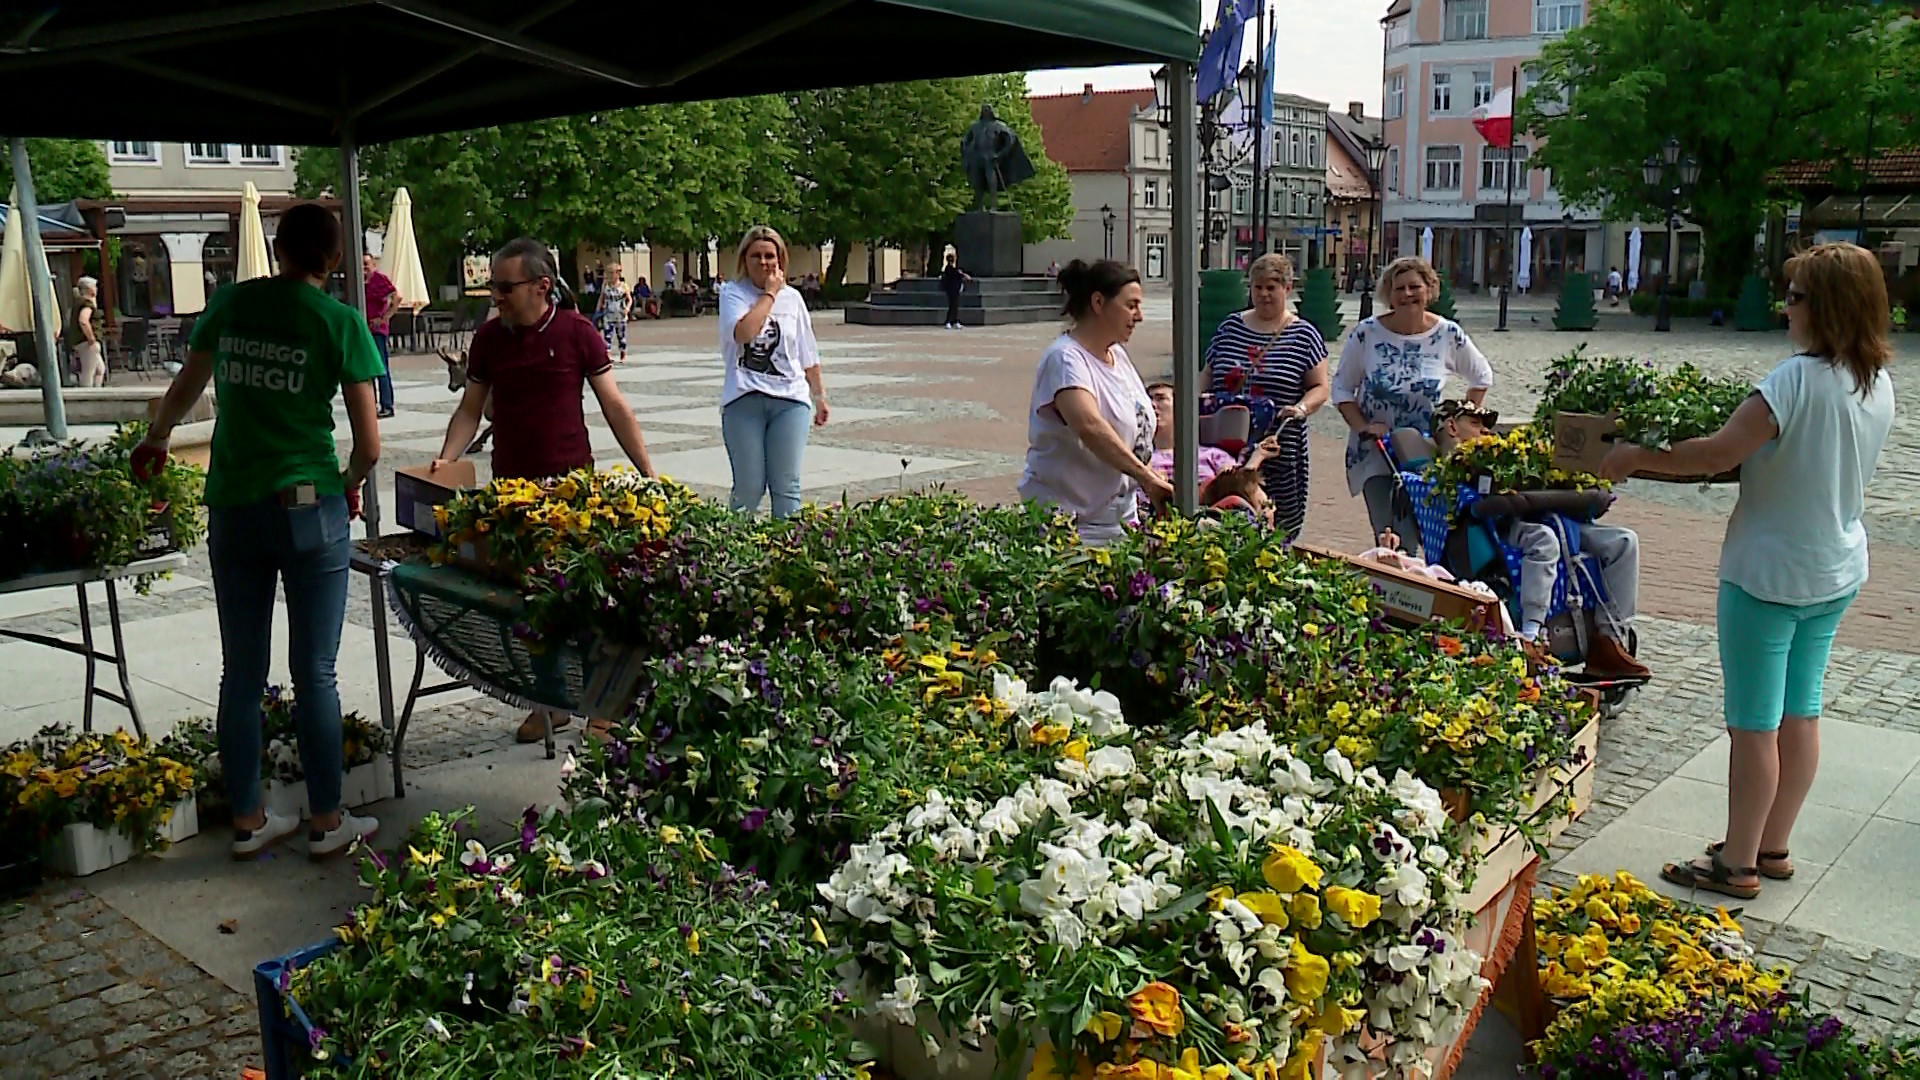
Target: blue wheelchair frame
[(1577, 589)]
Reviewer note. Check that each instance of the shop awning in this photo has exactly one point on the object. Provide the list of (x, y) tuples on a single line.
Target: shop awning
[(309, 72)]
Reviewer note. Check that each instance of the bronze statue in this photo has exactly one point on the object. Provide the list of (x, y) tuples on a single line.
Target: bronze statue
[(994, 159)]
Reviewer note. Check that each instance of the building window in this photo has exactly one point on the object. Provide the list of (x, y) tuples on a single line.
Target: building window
[(1392, 168), (1442, 92), (1443, 168), (1396, 95), (1241, 198), (133, 153), (1493, 170), (1279, 146), (1150, 194), (1556, 16), (207, 153), (259, 154), (1466, 20), (1482, 86), (1157, 256), (1397, 34), (1293, 150), (1313, 150), (1153, 144)]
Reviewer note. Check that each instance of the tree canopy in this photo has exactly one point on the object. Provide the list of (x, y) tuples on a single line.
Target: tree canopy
[(1746, 86), (855, 165), (63, 170)]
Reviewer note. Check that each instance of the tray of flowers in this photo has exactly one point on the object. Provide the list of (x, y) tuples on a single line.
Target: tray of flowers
[(95, 801), (369, 772), (1590, 402), (78, 507)]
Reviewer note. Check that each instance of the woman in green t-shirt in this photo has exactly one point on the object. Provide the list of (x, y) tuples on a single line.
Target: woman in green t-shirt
[(278, 350)]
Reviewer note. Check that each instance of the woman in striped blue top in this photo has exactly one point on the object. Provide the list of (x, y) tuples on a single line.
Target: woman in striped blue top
[(1268, 351)]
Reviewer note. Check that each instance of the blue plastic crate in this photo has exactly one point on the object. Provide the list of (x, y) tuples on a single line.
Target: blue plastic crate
[(285, 1031)]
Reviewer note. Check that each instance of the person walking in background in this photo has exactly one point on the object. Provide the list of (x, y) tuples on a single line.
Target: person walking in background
[(1795, 555), (1268, 351), (383, 299), (533, 364), (278, 349), (671, 275), (616, 306), (1613, 286), (90, 367), (1090, 423), (772, 381), (1393, 369), (952, 281)]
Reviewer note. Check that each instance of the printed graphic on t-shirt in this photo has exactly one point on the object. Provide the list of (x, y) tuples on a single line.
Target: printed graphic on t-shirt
[(1143, 425), (757, 355)]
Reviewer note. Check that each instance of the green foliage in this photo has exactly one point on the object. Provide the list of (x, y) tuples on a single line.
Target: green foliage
[(1745, 87), (1443, 305), (1755, 310), (1319, 303), (1575, 310), (852, 165), (63, 170)]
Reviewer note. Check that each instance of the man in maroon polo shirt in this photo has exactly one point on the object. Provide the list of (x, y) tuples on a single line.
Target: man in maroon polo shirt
[(534, 362)]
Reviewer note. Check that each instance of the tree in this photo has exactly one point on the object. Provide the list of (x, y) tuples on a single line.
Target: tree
[(1755, 310), (1319, 303), (1443, 305), (1045, 202), (1575, 310), (1746, 86), (63, 170)]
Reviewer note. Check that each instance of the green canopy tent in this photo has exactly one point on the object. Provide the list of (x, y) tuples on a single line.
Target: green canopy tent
[(347, 72)]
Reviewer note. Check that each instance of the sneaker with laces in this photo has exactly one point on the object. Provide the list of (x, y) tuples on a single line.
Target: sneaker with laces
[(341, 837), (248, 843)]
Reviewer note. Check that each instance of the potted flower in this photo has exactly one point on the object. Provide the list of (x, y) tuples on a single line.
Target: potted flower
[(95, 801), (368, 775)]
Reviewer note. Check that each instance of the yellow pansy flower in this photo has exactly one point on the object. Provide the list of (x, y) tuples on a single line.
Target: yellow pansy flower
[(1106, 1026), (1306, 974), (1306, 911), (1288, 870), (1156, 1007), (1271, 907), (1355, 907)]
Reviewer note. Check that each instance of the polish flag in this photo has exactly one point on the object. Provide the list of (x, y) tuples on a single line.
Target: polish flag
[(1494, 120)]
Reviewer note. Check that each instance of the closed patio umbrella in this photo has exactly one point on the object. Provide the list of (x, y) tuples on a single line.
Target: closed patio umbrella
[(403, 254), (1426, 245), (1633, 260), (254, 261), (16, 296), (1523, 279)]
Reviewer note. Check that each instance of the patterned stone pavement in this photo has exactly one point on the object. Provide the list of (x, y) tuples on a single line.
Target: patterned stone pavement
[(84, 992)]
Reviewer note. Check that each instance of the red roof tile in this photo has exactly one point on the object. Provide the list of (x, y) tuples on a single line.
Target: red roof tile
[(1893, 168), (1089, 132)]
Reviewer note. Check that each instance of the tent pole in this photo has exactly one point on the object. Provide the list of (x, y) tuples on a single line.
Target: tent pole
[(354, 230), (1187, 202), (41, 287)]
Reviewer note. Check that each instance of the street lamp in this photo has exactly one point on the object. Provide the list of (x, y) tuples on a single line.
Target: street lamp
[(1107, 218), (1669, 178), (1376, 159), (1216, 163)]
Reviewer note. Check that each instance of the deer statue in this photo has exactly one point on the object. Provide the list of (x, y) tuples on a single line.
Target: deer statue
[(457, 382)]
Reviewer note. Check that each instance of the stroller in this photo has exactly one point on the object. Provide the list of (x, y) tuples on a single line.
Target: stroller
[(1467, 535)]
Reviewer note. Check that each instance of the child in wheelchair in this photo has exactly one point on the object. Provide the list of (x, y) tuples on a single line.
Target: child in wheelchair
[(1548, 531)]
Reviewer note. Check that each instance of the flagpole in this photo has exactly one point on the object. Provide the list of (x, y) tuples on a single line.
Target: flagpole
[(1507, 244), (1260, 107)]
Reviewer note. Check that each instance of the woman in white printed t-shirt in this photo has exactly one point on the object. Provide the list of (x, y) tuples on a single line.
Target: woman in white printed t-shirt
[(1090, 428), (1805, 442), (1393, 370), (773, 382)]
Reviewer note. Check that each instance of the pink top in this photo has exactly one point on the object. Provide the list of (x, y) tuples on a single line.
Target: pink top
[(379, 287)]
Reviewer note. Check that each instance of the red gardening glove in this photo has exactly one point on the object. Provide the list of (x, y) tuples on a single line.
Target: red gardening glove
[(353, 501), (149, 460)]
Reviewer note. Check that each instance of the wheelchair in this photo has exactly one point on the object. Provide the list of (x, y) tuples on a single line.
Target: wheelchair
[(1468, 536)]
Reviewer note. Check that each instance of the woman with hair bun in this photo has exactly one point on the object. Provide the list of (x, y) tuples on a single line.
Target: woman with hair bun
[(1090, 426)]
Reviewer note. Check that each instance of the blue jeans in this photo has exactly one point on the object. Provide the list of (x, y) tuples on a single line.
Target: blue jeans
[(306, 549), (384, 384), (765, 437)]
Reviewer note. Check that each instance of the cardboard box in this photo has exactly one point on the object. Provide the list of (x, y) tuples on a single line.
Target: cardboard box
[(1412, 599), (1581, 440), (417, 490)]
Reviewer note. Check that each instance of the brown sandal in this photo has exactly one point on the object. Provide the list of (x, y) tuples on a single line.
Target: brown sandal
[(1719, 879), (1775, 857)]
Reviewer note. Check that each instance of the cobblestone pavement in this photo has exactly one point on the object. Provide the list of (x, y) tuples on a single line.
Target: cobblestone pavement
[(86, 993)]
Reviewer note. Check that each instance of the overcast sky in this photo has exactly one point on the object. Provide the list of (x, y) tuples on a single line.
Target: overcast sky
[(1328, 50)]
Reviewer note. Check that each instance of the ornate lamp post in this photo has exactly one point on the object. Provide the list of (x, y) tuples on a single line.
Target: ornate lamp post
[(1670, 178), (1376, 159), (1106, 220), (1218, 155)]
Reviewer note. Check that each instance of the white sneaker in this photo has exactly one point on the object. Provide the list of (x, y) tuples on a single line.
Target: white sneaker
[(249, 843), (338, 839)]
